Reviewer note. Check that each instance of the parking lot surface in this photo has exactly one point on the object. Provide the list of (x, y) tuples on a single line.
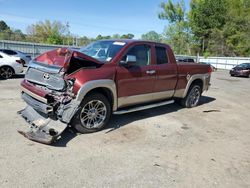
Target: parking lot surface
[(169, 146)]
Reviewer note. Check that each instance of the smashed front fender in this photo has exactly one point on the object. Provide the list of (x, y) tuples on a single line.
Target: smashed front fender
[(43, 129)]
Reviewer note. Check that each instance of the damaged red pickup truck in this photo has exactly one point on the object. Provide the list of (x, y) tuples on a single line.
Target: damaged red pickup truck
[(84, 88)]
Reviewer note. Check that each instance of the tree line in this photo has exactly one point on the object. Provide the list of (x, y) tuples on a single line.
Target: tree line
[(208, 27), (51, 33)]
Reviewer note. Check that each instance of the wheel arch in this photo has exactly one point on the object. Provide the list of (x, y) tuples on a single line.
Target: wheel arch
[(9, 67), (200, 79), (198, 82), (14, 72), (105, 87)]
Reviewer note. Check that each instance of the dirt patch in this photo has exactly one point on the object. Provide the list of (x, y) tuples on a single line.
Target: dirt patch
[(228, 79), (125, 134)]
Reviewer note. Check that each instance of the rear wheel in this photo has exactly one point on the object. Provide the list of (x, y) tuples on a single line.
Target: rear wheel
[(6, 72), (193, 96), (93, 115)]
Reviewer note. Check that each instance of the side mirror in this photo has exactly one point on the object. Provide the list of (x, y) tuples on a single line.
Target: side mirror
[(130, 60)]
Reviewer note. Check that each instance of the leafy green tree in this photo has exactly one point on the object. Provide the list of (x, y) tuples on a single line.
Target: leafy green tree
[(54, 38), (84, 40), (3, 26), (237, 28), (174, 13), (5, 31), (177, 32), (206, 18), (100, 37), (116, 36), (152, 36), (48, 32), (17, 35), (127, 36)]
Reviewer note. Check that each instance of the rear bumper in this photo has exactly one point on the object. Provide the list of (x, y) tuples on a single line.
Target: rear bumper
[(18, 68)]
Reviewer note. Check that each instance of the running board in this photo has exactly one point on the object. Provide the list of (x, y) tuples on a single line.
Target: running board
[(143, 107)]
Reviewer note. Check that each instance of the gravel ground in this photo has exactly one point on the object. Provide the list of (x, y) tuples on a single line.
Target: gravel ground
[(207, 146)]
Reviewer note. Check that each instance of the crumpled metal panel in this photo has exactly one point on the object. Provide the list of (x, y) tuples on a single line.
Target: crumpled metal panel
[(43, 129), (51, 81)]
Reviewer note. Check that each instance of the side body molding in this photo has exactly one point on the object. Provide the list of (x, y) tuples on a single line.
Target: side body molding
[(103, 83), (205, 79)]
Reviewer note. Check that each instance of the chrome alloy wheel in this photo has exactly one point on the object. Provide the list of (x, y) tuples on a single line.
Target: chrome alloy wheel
[(6, 72), (93, 114), (194, 97)]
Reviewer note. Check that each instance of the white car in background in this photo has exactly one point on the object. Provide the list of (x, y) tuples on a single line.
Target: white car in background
[(23, 56), (10, 65)]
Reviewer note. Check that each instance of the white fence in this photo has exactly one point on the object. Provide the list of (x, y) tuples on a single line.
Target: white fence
[(221, 62), (35, 49), (224, 62), (32, 49)]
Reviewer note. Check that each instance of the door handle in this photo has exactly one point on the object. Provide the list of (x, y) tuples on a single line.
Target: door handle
[(150, 71)]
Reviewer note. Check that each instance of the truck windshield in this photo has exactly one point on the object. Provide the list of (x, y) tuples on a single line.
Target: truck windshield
[(103, 51)]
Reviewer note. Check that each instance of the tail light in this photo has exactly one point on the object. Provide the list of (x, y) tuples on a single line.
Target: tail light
[(22, 62), (210, 70), (19, 61)]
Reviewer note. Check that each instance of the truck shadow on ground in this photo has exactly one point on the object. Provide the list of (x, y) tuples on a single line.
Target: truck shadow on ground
[(118, 121), (19, 76)]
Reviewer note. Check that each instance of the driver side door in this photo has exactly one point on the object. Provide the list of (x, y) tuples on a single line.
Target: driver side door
[(135, 83)]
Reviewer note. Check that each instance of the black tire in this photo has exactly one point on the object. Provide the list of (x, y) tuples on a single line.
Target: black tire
[(6, 72), (78, 121), (193, 96)]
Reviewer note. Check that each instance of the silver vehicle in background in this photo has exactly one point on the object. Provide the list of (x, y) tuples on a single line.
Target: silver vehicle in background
[(10, 66), (25, 58)]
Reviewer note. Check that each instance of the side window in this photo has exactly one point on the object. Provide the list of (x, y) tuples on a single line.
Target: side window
[(9, 52), (161, 55), (1, 56), (142, 54)]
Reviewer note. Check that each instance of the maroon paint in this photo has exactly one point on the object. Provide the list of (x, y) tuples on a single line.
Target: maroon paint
[(129, 81)]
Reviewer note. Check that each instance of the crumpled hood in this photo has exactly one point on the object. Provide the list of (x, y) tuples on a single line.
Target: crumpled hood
[(61, 57)]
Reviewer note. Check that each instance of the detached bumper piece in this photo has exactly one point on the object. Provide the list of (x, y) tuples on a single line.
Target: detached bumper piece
[(43, 129)]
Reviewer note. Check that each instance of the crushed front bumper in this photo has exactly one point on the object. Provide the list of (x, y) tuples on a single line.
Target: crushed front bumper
[(47, 122), (42, 128)]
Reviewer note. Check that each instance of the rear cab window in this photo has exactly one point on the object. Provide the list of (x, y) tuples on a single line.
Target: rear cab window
[(161, 55)]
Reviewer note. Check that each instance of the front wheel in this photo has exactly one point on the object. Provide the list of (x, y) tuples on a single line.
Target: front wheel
[(93, 115), (193, 96)]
